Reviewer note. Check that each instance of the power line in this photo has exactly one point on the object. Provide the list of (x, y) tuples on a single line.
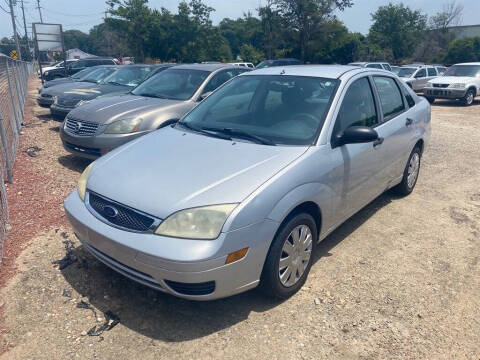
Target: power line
[(1, 7), (15, 35), (75, 15)]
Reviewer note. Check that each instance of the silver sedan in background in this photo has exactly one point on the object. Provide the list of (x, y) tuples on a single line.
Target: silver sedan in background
[(240, 191), (97, 127)]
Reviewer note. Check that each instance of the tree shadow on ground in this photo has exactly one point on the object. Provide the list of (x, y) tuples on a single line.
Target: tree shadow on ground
[(74, 163), (164, 317)]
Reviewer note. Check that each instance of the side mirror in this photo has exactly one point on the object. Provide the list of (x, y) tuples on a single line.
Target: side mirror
[(205, 95), (355, 135), (418, 76)]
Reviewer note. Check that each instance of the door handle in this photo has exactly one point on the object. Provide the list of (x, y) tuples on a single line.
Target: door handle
[(378, 142), (408, 122)]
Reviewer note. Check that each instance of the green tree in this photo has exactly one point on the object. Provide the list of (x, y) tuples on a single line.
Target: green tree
[(249, 53), (305, 17), (397, 29), (463, 50), (76, 39), (133, 17)]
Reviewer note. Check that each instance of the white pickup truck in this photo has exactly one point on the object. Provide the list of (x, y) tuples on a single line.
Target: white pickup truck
[(461, 82)]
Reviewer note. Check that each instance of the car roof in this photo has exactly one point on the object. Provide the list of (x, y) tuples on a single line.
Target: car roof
[(325, 71), (469, 63), (205, 67)]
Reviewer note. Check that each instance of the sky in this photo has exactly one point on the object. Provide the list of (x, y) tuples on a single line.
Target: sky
[(84, 14)]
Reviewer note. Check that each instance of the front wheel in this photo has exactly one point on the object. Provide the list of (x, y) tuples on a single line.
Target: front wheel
[(467, 100), (410, 174), (290, 257)]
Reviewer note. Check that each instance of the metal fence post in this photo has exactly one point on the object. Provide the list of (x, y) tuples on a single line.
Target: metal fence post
[(17, 86), (15, 113), (5, 148)]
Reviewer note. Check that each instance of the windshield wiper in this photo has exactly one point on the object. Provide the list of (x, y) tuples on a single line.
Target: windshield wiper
[(91, 81), (115, 83), (203, 131), (242, 134), (158, 96)]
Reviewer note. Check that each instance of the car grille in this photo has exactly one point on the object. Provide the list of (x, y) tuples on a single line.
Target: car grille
[(80, 128), (119, 215), (48, 96), (204, 288), (67, 102), (440, 85)]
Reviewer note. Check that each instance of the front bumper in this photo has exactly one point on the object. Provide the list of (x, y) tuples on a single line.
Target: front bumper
[(44, 101), (159, 262), (92, 147), (444, 93), (59, 112)]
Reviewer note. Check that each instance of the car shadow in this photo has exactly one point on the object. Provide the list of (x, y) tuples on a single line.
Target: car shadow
[(74, 163), (164, 317), (455, 103)]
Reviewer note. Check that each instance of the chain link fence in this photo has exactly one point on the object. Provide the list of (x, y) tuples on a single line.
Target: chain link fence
[(13, 93)]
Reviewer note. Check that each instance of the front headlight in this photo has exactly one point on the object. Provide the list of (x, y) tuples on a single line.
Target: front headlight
[(55, 100), (125, 126), (457, 86), (45, 73), (82, 182), (204, 223)]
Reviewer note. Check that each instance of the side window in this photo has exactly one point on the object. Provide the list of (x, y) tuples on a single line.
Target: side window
[(79, 64), (432, 72), (410, 101), (358, 107), (375, 66), (421, 73), (387, 67), (390, 96), (218, 79)]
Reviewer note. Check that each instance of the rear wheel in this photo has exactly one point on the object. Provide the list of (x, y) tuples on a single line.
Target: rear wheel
[(410, 174), (467, 100), (290, 257)]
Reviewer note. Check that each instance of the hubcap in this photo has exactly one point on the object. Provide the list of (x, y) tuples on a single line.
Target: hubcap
[(469, 97), (413, 168), (295, 255)]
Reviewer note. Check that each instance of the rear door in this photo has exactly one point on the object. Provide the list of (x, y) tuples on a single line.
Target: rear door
[(420, 79), (396, 127)]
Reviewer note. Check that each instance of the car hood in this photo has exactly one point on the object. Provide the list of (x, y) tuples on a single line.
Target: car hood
[(451, 80), (108, 109), (56, 82), (91, 92), (62, 88), (169, 170)]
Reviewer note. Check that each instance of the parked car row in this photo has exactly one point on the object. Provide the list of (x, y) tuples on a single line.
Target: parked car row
[(74, 66), (228, 178)]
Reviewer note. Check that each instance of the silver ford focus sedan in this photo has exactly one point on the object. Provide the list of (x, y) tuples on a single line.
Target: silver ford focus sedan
[(240, 191)]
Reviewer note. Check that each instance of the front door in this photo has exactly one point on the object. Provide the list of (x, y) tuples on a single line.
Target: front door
[(358, 167)]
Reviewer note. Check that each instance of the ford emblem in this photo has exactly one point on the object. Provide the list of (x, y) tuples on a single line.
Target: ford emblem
[(110, 211)]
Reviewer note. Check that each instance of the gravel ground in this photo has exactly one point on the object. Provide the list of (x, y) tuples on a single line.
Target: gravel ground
[(399, 280)]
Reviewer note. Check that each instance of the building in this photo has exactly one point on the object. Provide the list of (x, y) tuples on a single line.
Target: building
[(465, 31)]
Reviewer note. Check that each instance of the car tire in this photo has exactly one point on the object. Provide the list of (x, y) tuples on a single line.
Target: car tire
[(275, 281), (410, 174), (467, 100), (430, 100)]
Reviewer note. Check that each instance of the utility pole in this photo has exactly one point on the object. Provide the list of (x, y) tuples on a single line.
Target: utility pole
[(15, 35), (25, 26), (39, 10)]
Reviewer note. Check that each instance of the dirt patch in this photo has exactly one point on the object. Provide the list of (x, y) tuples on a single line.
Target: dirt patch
[(399, 280)]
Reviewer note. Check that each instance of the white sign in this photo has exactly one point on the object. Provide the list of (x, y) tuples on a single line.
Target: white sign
[(48, 36)]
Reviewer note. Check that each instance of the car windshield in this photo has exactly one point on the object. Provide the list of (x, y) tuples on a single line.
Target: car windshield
[(273, 109), (98, 75), (396, 69), (264, 64), (83, 73), (406, 71), (176, 84), (464, 70), (128, 76)]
